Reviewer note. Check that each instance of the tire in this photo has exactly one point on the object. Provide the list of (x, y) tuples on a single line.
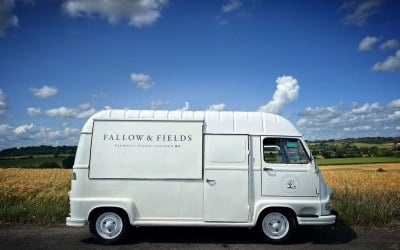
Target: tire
[(277, 226), (109, 226)]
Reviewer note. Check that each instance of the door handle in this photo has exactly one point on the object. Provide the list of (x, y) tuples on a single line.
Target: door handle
[(268, 169), (211, 182)]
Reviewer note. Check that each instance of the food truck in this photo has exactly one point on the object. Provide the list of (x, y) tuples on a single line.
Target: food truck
[(195, 168)]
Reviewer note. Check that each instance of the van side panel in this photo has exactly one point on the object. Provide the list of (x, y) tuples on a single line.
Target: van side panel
[(141, 199), (146, 150)]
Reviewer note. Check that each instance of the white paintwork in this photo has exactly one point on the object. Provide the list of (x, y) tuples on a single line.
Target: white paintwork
[(126, 149), (226, 179), (215, 179), (223, 122)]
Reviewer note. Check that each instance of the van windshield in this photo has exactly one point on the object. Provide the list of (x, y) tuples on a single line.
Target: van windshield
[(284, 151)]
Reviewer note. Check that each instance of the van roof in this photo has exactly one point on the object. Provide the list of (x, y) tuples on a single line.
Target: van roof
[(215, 122)]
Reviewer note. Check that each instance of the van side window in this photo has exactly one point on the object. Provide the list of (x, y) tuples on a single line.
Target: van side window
[(285, 151)]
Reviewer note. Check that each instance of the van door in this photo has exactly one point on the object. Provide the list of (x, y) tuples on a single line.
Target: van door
[(287, 169), (226, 178)]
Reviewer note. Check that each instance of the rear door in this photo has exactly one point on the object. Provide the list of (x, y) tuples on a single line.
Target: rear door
[(226, 178), (287, 168)]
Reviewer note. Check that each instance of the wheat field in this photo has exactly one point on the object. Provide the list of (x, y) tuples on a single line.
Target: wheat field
[(362, 194), (37, 196), (365, 194)]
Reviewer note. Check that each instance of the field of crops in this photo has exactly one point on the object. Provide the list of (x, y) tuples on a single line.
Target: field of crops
[(363, 194), (36, 196)]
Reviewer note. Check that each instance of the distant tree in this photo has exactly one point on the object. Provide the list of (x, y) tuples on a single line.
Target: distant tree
[(49, 164), (68, 161)]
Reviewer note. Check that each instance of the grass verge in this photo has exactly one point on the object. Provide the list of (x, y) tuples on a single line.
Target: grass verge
[(367, 195), (34, 196)]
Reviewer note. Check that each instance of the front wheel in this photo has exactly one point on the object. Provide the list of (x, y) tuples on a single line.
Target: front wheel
[(277, 226), (109, 227)]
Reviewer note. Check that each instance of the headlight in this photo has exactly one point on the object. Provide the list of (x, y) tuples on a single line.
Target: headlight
[(329, 206)]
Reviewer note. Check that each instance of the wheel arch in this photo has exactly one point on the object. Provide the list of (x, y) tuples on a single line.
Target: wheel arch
[(267, 209)]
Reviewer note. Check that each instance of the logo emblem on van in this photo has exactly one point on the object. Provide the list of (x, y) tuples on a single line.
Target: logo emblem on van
[(290, 183)]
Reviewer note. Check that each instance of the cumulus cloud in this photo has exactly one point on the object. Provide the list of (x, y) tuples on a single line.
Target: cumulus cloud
[(395, 104), (184, 108), (367, 43), (287, 90), (157, 104), (7, 19), (45, 91), (217, 107), (32, 135), (142, 81), (391, 64), (390, 44), (33, 111), (138, 12), (3, 103), (23, 129), (232, 5), (340, 121), (66, 112), (358, 11)]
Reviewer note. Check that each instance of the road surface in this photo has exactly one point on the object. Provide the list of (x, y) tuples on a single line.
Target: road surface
[(331, 237)]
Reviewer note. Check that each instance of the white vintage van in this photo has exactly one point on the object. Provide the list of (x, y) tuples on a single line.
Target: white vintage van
[(201, 168)]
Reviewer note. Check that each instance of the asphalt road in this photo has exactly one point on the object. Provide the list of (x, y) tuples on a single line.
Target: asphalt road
[(333, 237)]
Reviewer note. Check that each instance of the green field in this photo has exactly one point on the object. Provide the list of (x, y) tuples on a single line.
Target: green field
[(388, 145), (362, 160)]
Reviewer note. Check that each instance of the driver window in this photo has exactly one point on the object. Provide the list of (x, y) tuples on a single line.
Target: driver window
[(284, 150)]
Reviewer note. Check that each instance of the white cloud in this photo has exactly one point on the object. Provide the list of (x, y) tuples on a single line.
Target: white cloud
[(232, 5), (45, 91), (33, 111), (86, 113), (3, 103), (157, 104), (389, 45), (340, 121), (358, 11), (366, 108), (7, 19), (357, 128), (65, 112), (23, 129), (391, 64), (184, 108), (141, 80), (85, 106), (217, 107), (139, 12), (31, 135), (287, 90), (395, 103), (367, 43)]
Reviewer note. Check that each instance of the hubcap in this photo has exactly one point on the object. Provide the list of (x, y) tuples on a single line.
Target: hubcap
[(275, 225), (109, 225)]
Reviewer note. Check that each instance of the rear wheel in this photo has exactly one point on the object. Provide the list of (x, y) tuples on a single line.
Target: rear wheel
[(109, 226), (277, 226)]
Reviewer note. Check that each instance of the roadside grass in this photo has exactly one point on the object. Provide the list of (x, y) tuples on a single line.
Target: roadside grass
[(366, 195), (34, 196), (362, 194)]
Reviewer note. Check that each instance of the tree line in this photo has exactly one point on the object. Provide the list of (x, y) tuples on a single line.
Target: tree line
[(347, 148), (38, 150)]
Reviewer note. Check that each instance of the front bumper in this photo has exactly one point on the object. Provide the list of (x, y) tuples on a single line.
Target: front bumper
[(73, 222), (320, 220)]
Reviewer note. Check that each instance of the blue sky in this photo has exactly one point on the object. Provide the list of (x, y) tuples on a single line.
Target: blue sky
[(331, 67)]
